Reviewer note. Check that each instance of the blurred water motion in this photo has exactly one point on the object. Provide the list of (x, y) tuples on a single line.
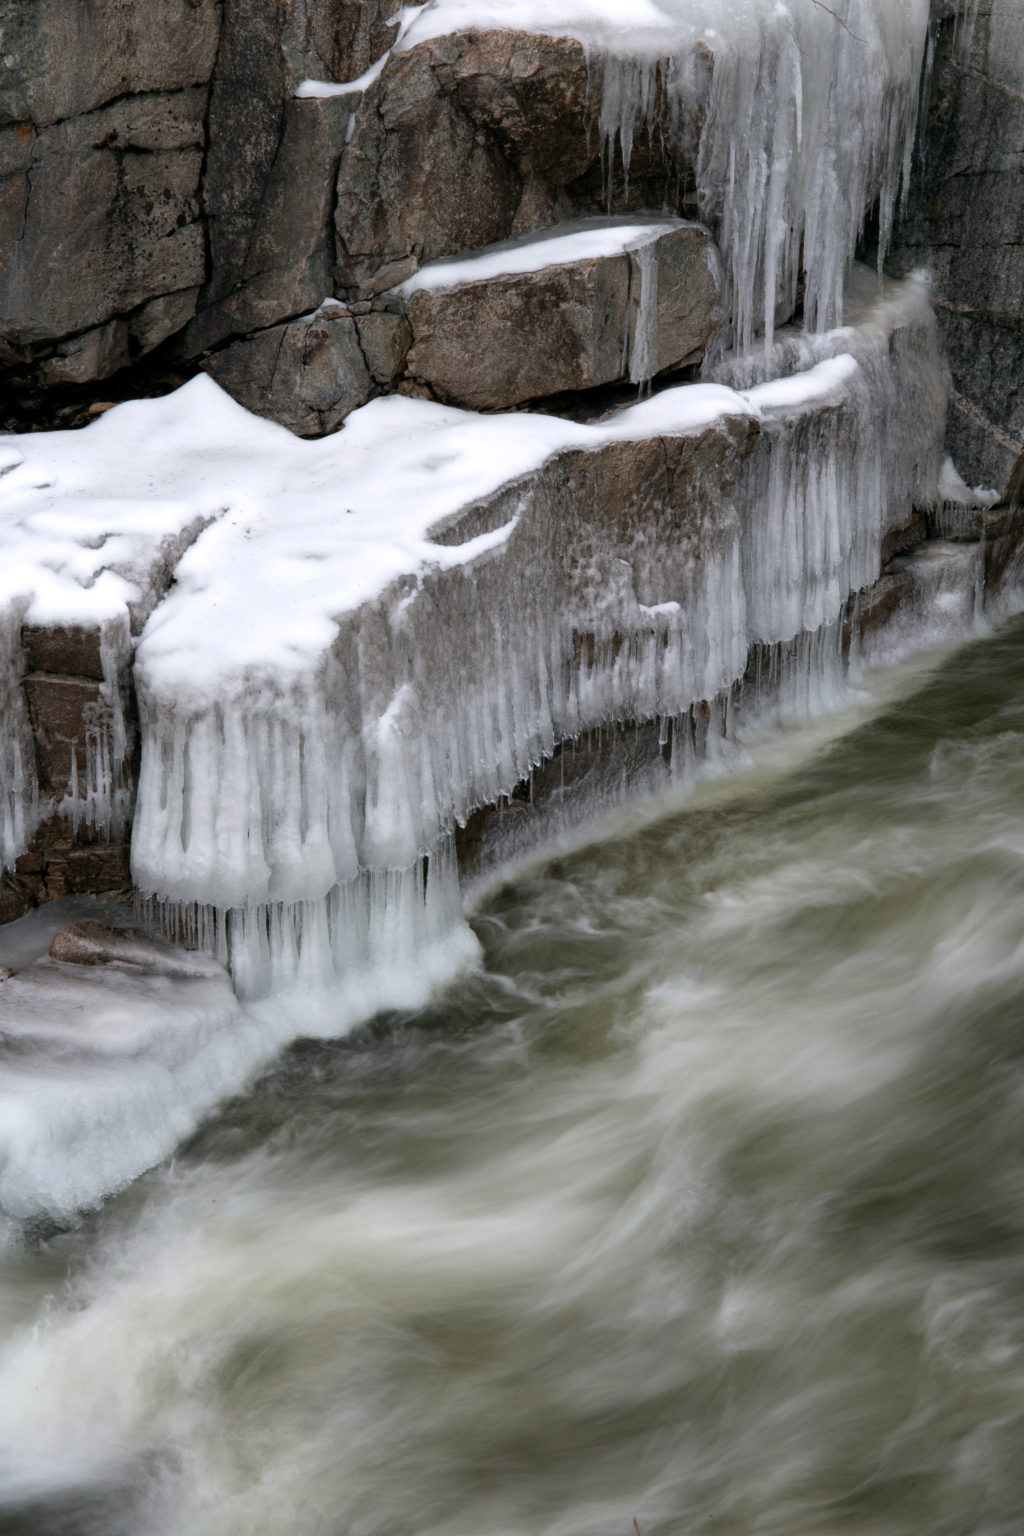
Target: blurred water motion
[(700, 1205)]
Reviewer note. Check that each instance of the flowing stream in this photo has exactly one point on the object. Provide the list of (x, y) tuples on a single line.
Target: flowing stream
[(699, 1208)]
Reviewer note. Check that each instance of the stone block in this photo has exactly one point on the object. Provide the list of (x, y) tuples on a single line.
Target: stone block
[(62, 710), (65, 651), (385, 341), (493, 342), (469, 139), (307, 375)]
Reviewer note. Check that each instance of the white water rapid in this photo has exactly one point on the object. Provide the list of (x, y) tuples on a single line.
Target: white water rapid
[(699, 1204)]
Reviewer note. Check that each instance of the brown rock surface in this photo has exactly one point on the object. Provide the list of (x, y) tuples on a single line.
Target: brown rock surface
[(469, 139), (63, 710), (491, 343)]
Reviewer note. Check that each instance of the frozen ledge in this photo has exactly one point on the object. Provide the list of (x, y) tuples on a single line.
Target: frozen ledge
[(381, 630), (585, 239)]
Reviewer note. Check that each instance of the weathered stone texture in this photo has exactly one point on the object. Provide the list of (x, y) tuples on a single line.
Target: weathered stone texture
[(466, 140), (965, 222), (106, 213), (307, 375), (495, 342), (337, 39), (63, 58)]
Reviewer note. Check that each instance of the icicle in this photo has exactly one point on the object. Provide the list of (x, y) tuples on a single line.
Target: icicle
[(643, 353)]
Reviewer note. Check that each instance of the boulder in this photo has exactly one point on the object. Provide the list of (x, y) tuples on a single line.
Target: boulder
[(91, 943), (491, 341), (308, 375)]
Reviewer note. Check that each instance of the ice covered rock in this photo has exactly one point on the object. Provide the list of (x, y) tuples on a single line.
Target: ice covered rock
[(577, 305), (470, 139), (383, 630), (787, 122), (85, 560)]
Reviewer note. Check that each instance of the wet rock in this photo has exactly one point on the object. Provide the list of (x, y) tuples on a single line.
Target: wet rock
[(492, 342), (307, 375)]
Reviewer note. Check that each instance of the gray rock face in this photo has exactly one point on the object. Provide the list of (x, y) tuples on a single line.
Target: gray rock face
[(63, 58), (966, 224), (307, 375), (273, 260), (101, 216), (491, 343)]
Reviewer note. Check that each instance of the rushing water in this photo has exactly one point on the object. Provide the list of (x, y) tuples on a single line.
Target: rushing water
[(701, 1206)]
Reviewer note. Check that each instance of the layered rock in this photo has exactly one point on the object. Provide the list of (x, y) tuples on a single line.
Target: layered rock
[(576, 307)]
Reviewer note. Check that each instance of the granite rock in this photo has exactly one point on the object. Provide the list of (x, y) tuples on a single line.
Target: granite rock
[(308, 375), (494, 342)]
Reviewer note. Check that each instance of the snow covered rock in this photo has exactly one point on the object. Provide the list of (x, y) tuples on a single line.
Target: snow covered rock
[(469, 139), (579, 305)]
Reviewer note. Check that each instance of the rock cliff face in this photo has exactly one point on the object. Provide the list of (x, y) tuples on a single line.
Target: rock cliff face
[(965, 224), (303, 671)]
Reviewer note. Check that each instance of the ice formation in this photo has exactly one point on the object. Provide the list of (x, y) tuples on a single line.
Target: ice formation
[(808, 119), (371, 635), (81, 548), (302, 767)]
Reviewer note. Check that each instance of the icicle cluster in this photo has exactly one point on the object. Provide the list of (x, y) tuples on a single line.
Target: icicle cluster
[(627, 577), (19, 789)]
